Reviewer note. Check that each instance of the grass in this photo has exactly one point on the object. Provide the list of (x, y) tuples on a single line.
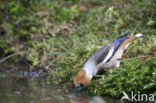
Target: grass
[(63, 36)]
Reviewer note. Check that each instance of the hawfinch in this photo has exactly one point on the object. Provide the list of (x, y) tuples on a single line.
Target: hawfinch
[(106, 57)]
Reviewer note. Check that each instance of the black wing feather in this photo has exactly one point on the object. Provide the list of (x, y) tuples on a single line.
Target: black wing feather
[(100, 54)]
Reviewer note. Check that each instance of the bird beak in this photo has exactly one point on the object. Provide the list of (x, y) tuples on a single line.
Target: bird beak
[(78, 89)]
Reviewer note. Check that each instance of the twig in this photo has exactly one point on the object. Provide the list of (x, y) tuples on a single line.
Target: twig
[(9, 56), (133, 58)]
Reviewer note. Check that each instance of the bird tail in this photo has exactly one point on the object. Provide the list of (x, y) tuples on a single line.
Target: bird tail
[(133, 38), (124, 36), (129, 40), (127, 33)]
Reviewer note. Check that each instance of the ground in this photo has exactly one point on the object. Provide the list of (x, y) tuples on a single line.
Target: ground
[(60, 36)]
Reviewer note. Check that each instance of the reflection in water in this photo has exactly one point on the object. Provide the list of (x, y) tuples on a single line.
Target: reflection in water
[(98, 99), (16, 87)]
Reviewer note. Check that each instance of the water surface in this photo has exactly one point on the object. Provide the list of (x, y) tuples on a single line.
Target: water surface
[(16, 86)]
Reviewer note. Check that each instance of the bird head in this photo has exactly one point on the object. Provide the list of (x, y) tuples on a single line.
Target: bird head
[(81, 80)]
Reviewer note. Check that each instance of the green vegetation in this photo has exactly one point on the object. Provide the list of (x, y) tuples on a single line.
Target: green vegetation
[(60, 35)]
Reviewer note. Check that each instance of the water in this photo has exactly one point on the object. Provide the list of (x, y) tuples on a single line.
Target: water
[(16, 86)]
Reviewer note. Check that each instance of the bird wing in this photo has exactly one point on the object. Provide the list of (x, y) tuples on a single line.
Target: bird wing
[(105, 53), (117, 43), (120, 44), (102, 54), (111, 51)]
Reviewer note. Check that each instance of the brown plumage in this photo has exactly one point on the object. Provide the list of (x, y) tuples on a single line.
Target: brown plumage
[(81, 78), (129, 40)]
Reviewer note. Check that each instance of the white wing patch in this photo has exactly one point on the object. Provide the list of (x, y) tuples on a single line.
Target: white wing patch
[(109, 54)]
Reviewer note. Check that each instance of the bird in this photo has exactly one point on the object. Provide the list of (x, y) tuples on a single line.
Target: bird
[(106, 57)]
